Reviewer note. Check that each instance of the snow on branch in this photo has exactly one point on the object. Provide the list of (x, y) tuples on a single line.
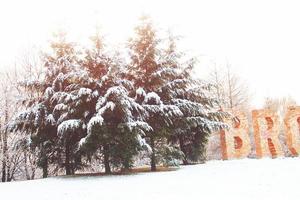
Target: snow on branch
[(109, 106), (60, 107), (139, 124), (96, 120), (190, 107), (84, 92), (152, 98), (68, 125), (116, 90), (62, 97), (140, 92)]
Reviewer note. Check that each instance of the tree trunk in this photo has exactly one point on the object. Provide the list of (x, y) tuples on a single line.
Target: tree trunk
[(67, 163), (8, 176), (44, 162), (4, 154), (181, 145), (26, 166), (32, 166), (153, 156), (72, 170), (45, 168), (106, 159), (126, 166), (4, 140), (32, 174)]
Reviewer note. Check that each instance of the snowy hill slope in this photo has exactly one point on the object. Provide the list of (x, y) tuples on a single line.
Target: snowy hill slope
[(238, 179)]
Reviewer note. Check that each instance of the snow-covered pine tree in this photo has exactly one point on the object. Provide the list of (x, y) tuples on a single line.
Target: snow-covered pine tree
[(36, 122), (62, 58), (148, 75), (193, 97), (74, 105), (161, 118), (117, 126), (74, 99), (56, 121), (96, 59), (166, 74)]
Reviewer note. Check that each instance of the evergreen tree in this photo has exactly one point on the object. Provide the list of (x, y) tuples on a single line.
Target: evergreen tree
[(63, 57), (66, 99), (117, 123), (148, 74), (166, 76), (117, 128), (192, 96), (97, 61)]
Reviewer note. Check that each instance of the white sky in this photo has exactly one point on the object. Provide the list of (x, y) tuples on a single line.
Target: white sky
[(260, 38)]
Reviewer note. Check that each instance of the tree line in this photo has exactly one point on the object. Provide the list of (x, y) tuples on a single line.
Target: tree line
[(85, 105)]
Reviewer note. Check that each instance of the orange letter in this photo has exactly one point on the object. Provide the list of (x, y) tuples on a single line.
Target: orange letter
[(235, 142), (266, 131), (292, 127)]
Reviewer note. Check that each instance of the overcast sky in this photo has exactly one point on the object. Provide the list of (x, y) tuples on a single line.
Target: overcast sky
[(260, 38)]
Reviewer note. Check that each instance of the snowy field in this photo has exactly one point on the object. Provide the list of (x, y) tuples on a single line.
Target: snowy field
[(239, 179)]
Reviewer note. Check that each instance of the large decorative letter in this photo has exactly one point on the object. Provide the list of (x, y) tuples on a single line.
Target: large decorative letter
[(235, 142), (266, 131), (292, 129)]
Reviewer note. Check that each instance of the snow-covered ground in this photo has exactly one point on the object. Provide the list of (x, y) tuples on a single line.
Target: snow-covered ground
[(239, 179)]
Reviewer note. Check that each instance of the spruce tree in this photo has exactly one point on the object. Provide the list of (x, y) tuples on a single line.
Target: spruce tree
[(116, 122), (116, 129), (201, 114), (148, 75), (165, 74), (66, 99)]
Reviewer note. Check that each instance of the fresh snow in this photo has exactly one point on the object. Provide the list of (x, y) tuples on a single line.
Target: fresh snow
[(152, 96), (275, 179), (71, 124), (50, 119), (60, 107), (109, 106), (143, 125), (84, 92), (96, 120), (48, 92), (140, 92)]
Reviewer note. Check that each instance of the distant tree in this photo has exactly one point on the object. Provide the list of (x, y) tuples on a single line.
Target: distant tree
[(232, 94), (6, 98), (279, 105), (9, 106), (229, 89)]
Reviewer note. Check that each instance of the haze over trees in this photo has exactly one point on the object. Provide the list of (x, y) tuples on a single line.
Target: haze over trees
[(79, 106)]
